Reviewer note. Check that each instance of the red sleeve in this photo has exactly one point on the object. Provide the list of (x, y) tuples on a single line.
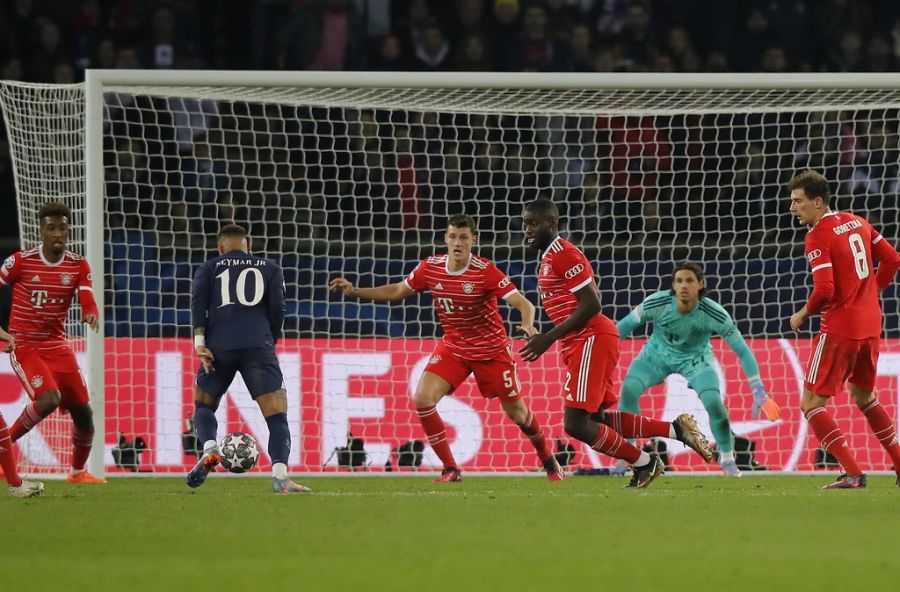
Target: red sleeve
[(573, 267), (85, 290), (888, 260), (497, 282), (819, 256), (11, 270), (416, 278)]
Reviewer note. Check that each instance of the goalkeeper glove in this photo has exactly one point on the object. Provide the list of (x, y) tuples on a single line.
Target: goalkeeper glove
[(762, 402)]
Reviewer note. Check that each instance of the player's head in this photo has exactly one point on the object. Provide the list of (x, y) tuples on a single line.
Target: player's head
[(232, 237), (54, 220), (541, 219), (460, 237), (810, 197), (688, 284)]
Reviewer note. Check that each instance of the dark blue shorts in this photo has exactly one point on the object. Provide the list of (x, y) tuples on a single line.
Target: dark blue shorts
[(258, 367)]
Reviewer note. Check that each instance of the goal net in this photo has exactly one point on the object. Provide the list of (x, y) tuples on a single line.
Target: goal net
[(355, 176)]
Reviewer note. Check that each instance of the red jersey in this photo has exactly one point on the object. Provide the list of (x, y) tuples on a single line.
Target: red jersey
[(840, 249), (42, 294), (466, 304), (563, 271)]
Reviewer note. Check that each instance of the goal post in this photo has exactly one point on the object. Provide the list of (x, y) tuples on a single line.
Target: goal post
[(355, 173)]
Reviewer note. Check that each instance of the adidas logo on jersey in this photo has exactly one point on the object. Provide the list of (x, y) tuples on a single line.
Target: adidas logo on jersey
[(569, 398), (439, 286), (36, 278)]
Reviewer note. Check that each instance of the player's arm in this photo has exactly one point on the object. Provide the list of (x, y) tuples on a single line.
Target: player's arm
[(588, 306), (888, 260), (90, 314), (9, 340), (633, 319), (11, 270), (819, 259), (761, 401), (526, 309), (387, 292), (276, 303), (200, 291)]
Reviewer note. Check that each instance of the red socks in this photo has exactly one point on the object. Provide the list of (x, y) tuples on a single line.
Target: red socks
[(7, 456), (81, 447), (883, 428), (832, 439), (29, 418), (532, 429), (437, 434), (630, 425), (610, 443)]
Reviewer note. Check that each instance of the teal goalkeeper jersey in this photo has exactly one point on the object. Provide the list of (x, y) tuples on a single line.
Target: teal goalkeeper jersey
[(681, 338)]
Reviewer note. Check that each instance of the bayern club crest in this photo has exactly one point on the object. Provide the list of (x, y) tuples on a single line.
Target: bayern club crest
[(66, 279), (468, 287), (435, 359), (37, 381), (545, 269)]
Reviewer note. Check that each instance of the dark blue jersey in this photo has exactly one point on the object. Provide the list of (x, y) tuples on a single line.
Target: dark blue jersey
[(239, 299)]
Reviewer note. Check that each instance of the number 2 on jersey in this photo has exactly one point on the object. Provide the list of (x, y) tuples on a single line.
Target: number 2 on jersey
[(240, 287), (858, 248)]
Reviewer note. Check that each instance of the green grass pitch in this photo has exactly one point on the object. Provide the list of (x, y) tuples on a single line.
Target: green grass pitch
[(487, 533)]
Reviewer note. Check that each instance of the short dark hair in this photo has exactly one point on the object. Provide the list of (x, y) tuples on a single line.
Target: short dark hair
[(53, 209), (813, 185), (693, 267), (231, 231), (463, 221), (544, 207)]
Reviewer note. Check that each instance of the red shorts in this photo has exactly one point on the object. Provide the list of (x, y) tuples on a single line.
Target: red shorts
[(590, 365), (836, 359), (496, 378), (41, 371)]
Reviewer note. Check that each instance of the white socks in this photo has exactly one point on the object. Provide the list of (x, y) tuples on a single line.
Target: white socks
[(279, 471)]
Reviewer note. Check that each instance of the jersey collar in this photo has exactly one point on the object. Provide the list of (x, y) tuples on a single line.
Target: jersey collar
[(550, 246), (825, 215), (47, 263), (461, 271)]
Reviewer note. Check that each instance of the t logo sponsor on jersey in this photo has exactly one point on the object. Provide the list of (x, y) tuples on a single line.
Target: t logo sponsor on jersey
[(813, 255), (38, 298), (574, 271)]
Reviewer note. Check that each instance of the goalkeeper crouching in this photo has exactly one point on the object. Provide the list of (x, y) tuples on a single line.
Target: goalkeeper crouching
[(683, 322)]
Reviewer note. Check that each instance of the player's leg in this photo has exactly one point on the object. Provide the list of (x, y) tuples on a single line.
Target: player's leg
[(74, 398), (704, 380), (643, 374), (262, 375), (208, 390), (18, 487), (498, 379), (829, 366), (442, 375), (862, 386), (588, 389), (39, 383)]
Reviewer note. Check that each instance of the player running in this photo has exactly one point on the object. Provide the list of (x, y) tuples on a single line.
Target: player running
[(683, 322), (840, 247), (465, 288), (590, 351), (237, 310), (44, 281)]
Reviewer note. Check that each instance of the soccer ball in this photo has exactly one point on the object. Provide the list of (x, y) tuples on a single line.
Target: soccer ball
[(239, 452)]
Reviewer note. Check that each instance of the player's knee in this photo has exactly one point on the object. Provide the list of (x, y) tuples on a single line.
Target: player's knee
[(48, 401), (577, 425), (426, 397), (82, 416), (861, 397)]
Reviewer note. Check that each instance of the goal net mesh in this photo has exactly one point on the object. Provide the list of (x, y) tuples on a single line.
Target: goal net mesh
[(359, 183)]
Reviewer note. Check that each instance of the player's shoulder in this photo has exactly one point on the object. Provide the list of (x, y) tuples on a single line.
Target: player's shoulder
[(713, 310), (560, 247), (657, 299), (73, 256), (32, 253), (480, 263), (438, 259)]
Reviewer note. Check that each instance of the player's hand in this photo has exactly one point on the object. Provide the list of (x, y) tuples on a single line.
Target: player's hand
[(343, 286), (9, 342), (797, 320), (762, 402), (92, 321), (206, 358), (536, 346), (528, 330)]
